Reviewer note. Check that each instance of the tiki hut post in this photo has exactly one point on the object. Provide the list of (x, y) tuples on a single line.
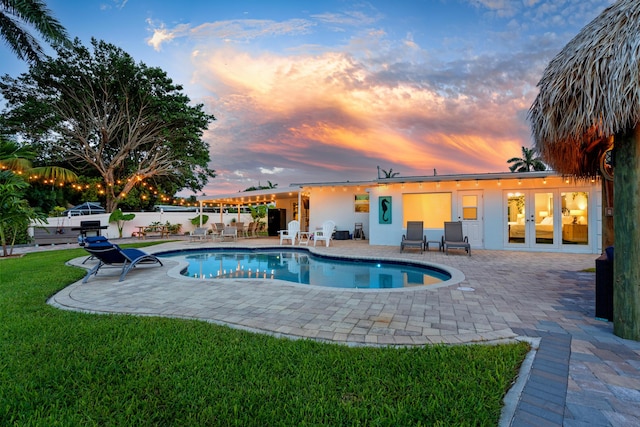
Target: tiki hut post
[(589, 100)]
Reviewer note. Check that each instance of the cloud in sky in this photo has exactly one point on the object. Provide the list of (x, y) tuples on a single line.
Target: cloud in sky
[(327, 91)]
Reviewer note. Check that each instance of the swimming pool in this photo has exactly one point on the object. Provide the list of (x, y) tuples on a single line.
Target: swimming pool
[(301, 266)]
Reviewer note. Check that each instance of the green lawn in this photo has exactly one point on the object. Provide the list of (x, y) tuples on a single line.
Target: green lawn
[(67, 369)]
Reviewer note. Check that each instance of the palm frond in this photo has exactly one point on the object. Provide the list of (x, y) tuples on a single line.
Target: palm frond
[(54, 173), (589, 92)]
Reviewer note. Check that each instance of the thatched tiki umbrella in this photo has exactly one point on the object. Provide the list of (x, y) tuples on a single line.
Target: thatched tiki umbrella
[(590, 98)]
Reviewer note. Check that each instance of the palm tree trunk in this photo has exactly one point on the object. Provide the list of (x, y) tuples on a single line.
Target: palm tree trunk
[(626, 267), (608, 236)]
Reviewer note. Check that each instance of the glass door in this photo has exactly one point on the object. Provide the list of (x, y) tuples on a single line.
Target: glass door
[(530, 219), (575, 218)]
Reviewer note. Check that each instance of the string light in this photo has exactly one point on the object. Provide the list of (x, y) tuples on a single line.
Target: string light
[(100, 188)]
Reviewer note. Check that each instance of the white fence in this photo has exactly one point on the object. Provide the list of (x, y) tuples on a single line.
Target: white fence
[(143, 219)]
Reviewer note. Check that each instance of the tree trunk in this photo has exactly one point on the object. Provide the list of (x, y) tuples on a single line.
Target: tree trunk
[(626, 267)]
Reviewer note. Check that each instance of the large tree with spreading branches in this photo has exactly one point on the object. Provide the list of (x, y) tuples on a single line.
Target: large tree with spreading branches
[(103, 114)]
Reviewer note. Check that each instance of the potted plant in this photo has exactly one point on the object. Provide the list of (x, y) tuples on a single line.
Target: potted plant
[(119, 218)]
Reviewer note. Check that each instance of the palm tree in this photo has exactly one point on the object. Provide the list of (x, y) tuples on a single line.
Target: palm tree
[(14, 13), (15, 212), (529, 162), (387, 174), (18, 159)]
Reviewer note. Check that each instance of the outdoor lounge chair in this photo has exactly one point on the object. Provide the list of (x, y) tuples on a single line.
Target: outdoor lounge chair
[(290, 233), (109, 254), (251, 229), (91, 240), (415, 237), (325, 234), (215, 230), (453, 238), (200, 234), (229, 232)]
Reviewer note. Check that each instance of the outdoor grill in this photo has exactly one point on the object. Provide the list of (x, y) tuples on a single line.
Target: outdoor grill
[(89, 227)]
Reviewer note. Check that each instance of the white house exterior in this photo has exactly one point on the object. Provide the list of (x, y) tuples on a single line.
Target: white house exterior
[(533, 211), (530, 211)]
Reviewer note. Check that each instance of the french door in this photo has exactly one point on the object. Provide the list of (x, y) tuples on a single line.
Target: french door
[(529, 219)]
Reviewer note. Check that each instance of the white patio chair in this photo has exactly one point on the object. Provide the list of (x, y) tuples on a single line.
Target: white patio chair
[(324, 234), (290, 233)]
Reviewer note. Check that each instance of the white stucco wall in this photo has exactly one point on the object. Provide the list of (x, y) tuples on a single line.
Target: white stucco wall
[(337, 204)]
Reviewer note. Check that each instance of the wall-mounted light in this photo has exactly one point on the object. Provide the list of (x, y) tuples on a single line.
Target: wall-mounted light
[(544, 180), (457, 183), (519, 182), (499, 183), (477, 182)]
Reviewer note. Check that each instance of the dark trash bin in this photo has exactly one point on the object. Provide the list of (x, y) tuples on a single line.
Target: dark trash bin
[(604, 285)]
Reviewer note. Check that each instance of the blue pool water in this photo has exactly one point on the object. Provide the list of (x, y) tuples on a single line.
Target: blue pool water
[(300, 266)]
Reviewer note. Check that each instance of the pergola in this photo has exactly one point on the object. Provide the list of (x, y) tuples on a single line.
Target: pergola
[(272, 196)]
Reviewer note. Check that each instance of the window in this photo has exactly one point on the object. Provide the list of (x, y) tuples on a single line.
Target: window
[(575, 218), (433, 209), (470, 207), (361, 203)]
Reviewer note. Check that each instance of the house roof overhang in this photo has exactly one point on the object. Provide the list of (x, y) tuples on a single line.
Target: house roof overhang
[(258, 197), (296, 190), (434, 178)]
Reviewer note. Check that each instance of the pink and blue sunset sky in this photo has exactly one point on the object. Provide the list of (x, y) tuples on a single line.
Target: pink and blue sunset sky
[(310, 91)]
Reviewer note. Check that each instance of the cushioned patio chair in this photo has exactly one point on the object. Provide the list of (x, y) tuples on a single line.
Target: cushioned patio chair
[(91, 240), (325, 234), (291, 233), (415, 237), (453, 238), (112, 255)]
